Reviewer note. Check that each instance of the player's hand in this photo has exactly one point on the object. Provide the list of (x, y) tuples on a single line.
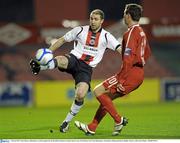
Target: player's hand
[(120, 88), (34, 66)]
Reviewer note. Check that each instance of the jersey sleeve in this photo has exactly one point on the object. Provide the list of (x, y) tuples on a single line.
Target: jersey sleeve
[(128, 57), (112, 43), (72, 34)]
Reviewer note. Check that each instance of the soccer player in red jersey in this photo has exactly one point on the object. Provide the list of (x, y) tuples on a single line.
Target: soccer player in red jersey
[(135, 52), (90, 43)]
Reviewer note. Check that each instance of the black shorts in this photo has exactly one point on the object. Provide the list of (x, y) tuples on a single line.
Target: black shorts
[(80, 71)]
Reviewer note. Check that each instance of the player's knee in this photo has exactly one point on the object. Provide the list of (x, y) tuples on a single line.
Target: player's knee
[(98, 90), (95, 92), (80, 94), (62, 61), (81, 90)]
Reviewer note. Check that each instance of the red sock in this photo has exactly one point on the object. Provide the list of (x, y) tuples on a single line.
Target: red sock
[(107, 103), (100, 113)]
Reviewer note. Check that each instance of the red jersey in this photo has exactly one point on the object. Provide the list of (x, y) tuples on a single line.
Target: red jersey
[(135, 50)]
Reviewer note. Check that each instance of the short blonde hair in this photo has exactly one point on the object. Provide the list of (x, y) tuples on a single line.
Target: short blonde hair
[(99, 12)]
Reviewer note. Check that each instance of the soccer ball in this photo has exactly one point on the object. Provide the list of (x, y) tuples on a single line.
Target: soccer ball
[(44, 56)]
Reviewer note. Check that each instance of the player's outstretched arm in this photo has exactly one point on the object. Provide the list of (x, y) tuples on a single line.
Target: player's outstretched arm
[(56, 43)]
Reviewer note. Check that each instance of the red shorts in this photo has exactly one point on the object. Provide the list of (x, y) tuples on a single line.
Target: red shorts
[(133, 81)]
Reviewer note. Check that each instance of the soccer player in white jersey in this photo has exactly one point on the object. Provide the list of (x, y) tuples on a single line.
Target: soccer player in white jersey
[(90, 43)]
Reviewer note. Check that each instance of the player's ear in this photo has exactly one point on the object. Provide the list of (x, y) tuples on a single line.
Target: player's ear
[(129, 16), (102, 21)]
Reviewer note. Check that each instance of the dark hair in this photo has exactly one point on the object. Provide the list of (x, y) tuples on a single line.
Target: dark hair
[(134, 10), (99, 12)]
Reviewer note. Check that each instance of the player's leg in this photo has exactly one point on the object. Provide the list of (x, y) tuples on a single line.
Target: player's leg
[(81, 73), (90, 129), (110, 85), (59, 61), (133, 81), (101, 111), (99, 115), (101, 93), (80, 93), (105, 93)]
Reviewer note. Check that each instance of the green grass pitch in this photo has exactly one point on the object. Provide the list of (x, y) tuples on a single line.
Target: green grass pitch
[(146, 121)]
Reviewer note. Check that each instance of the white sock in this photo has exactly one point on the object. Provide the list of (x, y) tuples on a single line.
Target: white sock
[(44, 67), (75, 108)]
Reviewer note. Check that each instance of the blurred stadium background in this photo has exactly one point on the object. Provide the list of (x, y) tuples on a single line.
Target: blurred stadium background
[(26, 25)]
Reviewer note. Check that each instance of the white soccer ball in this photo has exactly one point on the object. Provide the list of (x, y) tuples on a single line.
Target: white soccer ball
[(44, 56)]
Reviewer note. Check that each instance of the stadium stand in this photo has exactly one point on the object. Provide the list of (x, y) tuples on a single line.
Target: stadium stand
[(14, 65)]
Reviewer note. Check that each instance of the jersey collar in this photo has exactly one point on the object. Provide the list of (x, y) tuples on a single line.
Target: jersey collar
[(133, 26)]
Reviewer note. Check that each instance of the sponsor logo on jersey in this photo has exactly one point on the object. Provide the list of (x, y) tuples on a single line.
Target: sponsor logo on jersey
[(90, 48)]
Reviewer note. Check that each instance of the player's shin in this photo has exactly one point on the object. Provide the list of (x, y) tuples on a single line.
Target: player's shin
[(100, 113), (75, 108), (109, 106)]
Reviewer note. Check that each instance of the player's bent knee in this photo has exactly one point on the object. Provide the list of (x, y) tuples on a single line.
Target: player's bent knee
[(95, 92), (81, 90), (98, 90), (62, 61), (80, 94)]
